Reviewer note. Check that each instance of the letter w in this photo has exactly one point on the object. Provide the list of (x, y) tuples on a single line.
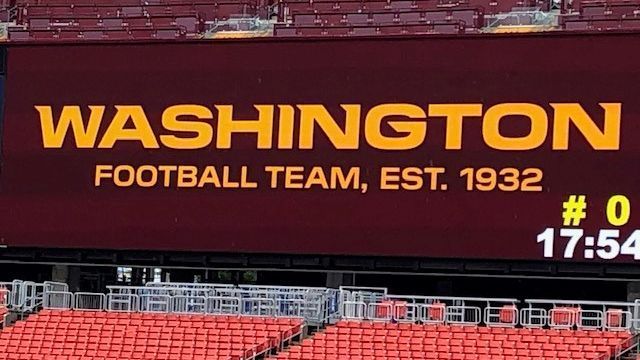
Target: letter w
[(54, 136)]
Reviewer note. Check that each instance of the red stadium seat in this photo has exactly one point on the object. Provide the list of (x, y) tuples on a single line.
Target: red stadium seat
[(126, 335)]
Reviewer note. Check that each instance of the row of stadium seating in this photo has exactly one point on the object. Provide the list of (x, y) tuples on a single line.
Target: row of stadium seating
[(177, 19), (604, 16), (399, 29), (109, 335), (361, 340), (619, 9), (602, 24), (290, 8), (206, 11), (121, 19), (188, 23), (200, 322), (345, 18), (70, 34), (472, 18)]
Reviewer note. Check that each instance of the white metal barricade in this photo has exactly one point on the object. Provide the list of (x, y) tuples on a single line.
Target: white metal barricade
[(618, 320), (409, 313), (588, 314), (590, 319), (379, 312), (291, 308), (463, 315), (189, 304), (533, 317), (55, 286), (504, 316), (258, 307), (433, 313), (563, 318), (154, 303), (89, 301), (354, 310), (221, 305), (122, 302), (61, 300)]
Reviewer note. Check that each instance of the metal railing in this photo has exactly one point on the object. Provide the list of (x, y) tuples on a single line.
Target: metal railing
[(123, 302), (377, 305), (155, 303), (614, 316), (316, 305), (61, 300), (27, 296), (506, 316), (323, 305), (220, 305), (89, 301)]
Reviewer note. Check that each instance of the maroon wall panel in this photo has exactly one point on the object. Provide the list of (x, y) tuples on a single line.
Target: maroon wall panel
[(48, 197)]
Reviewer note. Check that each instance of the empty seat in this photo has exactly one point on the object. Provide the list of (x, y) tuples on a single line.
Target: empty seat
[(112, 23), (366, 340), (357, 19), (390, 18), (188, 24), (167, 33), (128, 336)]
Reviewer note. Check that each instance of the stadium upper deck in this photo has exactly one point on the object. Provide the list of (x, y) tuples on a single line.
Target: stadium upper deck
[(245, 322), (179, 19)]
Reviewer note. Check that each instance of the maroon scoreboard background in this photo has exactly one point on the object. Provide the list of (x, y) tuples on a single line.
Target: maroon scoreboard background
[(549, 203)]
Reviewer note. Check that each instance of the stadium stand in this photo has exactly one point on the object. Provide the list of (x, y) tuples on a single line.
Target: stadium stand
[(358, 339), (603, 16), (122, 19), (47, 20), (213, 321), (113, 335)]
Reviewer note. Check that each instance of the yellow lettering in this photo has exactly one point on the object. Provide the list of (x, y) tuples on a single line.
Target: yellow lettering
[(187, 176), (415, 130), (227, 126), (607, 139), (244, 181), (153, 179), (412, 178), (129, 175), (53, 137), (209, 176), (141, 130), (101, 174), (318, 114), (203, 131), (167, 170), (454, 113), (491, 126), (293, 177), (389, 178), (274, 171), (285, 127), (316, 177), (351, 180)]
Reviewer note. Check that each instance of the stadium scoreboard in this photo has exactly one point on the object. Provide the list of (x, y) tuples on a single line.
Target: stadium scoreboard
[(345, 147)]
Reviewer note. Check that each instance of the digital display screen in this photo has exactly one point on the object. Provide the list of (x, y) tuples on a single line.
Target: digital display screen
[(466, 147)]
